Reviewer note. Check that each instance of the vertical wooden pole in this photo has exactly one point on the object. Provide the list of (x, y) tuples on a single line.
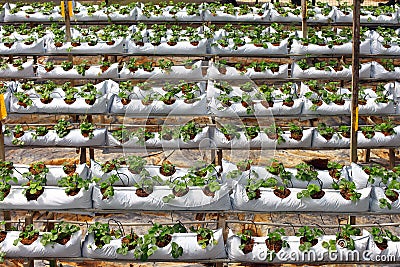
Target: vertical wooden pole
[(29, 220), (392, 158), (67, 21), (6, 214), (82, 158), (2, 149), (304, 18), (91, 150), (222, 225), (49, 227), (68, 26), (367, 155), (355, 85)]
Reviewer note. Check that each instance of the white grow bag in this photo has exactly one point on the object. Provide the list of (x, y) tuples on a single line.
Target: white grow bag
[(292, 252), (318, 17), (381, 19), (379, 139), (135, 107), (250, 49), (326, 109), (312, 73), (113, 15), (188, 241), (55, 173), (390, 254), (337, 141), (76, 139), (262, 141), (72, 249), (195, 200), (181, 15), (221, 16), (37, 47), (360, 177), (53, 198), (323, 176), (378, 193), (92, 73), (82, 15), (232, 73), (181, 48), (126, 177), (23, 16), (12, 71), (236, 109), (379, 72), (201, 140), (100, 48), (177, 72), (48, 140), (331, 202), (373, 108), (59, 106), (298, 48), (379, 49)]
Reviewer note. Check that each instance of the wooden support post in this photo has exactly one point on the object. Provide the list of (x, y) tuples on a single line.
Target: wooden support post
[(6, 214), (222, 225), (2, 149), (392, 158), (304, 18), (91, 150), (212, 151), (50, 226), (355, 80), (367, 155), (354, 85), (29, 220), (82, 158), (219, 157), (68, 27)]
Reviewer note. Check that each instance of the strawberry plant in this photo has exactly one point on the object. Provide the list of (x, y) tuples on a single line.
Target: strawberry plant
[(73, 184), (205, 236), (103, 234), (308, 237), (28, 235), (60, 234)]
